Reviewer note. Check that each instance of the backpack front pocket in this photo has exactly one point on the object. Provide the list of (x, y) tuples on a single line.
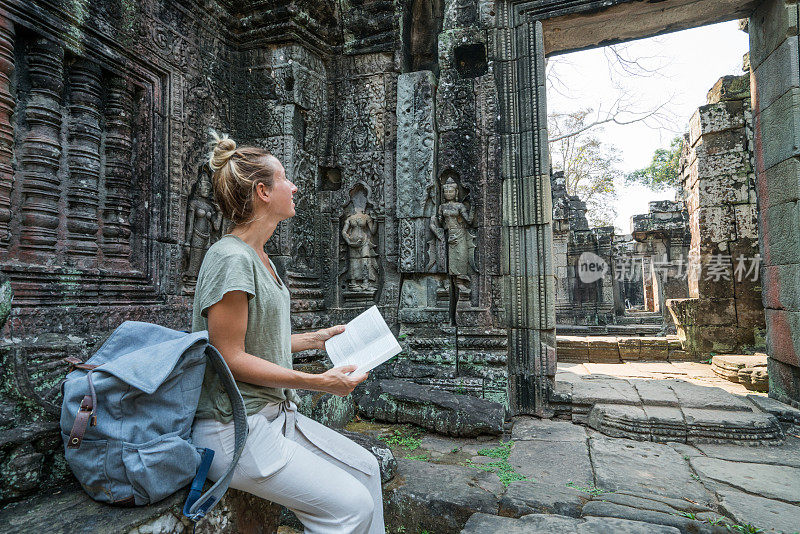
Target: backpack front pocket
[(159, 467), (88, 463)]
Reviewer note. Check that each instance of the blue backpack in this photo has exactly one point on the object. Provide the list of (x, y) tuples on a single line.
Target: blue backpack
[(127, 414)]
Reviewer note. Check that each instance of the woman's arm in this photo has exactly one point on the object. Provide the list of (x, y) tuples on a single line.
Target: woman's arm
[(227, 324), (315, 340)]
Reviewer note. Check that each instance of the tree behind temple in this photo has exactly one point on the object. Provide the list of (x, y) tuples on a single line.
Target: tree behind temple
[(589, 164), (664, 170)]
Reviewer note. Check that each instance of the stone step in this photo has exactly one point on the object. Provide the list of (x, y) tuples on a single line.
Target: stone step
[(616, 349), (750, 370), (685, 425)]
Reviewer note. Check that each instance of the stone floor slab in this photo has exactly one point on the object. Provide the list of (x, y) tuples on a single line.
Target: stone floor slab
[(787, 453), (555, 524), (643, 468), (707, 398), (550, 462), (655, 392), (760, 512), (769, 481), (651, 517), (530, 428), (604, 390), (524, 497)]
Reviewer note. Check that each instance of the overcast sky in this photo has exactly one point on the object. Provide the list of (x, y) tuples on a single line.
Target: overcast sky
[(688, 64)]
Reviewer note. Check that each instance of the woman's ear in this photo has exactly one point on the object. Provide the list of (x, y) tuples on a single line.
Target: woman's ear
[(263, 192)]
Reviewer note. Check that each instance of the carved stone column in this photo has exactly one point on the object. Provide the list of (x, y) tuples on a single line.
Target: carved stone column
[(41, 147), (527, 234), (118, 169), (416, 171), (6, 129), (83, 158)]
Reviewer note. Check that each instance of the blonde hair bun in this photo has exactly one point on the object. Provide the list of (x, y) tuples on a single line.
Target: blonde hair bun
[(224, 149), (235, 179)]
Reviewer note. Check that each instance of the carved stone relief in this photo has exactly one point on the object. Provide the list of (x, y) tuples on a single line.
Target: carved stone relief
[(6, 128), (451, 225), (358, 233), (203, 227)]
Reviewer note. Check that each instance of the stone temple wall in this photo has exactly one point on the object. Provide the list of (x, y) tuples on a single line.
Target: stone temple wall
[(386, 123), (662, 245), (578, 302), (724, 313)]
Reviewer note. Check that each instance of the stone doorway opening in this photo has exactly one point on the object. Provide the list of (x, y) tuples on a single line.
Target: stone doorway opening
[(696, 247), (530, 31)]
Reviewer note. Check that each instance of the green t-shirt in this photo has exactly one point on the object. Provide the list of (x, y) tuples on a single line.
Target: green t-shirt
[(232, 265)]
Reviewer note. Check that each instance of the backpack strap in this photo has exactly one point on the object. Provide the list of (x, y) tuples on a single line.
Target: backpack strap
[(199, 508)]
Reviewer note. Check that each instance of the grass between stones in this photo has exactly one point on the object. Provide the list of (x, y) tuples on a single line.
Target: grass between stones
[(406, 438), (592, 490), (720, 521), (500, 466)]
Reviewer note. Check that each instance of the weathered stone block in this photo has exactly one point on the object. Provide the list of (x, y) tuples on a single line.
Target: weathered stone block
[(398, 401), (779, 184), (783, 336), (419, 499), (654, 349), (750, 313), (779, 73), (572, 349), (784, 382), (603, 350), (330, 410), (629, 348), (524, 497), (778, 130), (779, 288), (717, 224), (644, 468), (730, 142), (715, 118), (772, 22), (715, 311), (780, 234), (745, 508), (480, 523)]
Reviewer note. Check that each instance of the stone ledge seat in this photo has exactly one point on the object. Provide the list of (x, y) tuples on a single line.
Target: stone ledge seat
[(69, 510)]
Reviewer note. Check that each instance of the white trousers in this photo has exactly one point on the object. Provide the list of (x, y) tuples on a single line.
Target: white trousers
[(332, 484)]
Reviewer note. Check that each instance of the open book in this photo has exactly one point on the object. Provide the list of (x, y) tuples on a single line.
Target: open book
[(366, 342)]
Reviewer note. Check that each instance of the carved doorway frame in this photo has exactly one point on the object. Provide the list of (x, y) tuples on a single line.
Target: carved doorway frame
[(528, 281)]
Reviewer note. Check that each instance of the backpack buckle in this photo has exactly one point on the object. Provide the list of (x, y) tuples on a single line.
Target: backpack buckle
[(85, 415)]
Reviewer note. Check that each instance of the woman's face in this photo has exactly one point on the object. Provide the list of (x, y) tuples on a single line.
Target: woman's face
[(282, 194)]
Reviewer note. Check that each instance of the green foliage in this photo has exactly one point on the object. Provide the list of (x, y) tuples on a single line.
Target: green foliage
[(744, 529), (720, 521), (589, 163), (405, 438), (420, 457), (501, 451), (592, 490), (500, 467), (664, 169)]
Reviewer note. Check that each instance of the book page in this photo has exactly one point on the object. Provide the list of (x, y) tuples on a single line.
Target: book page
[(366, 342)]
